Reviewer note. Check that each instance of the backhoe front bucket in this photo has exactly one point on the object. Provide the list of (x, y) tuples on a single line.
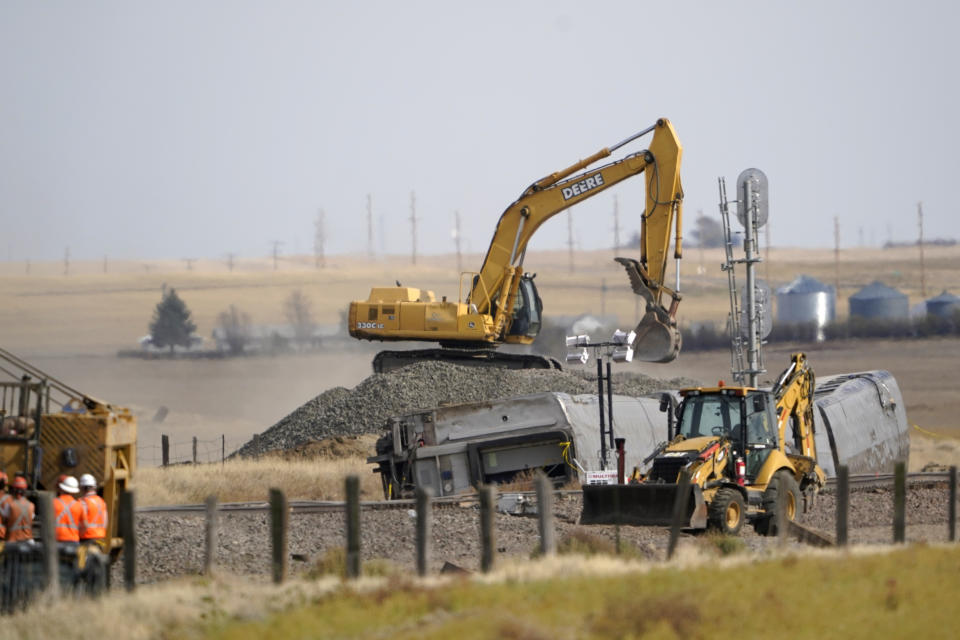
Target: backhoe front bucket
[(642, 504), (658, 339)]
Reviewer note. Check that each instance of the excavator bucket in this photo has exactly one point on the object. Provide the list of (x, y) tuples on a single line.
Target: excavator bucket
[(658, 339), (642, 504)]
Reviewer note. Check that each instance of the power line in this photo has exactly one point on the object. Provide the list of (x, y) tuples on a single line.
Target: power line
[(276, 252), (319, 240), (413, 224)]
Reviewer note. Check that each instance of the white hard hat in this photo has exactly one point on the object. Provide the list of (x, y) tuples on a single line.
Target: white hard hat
[(87, 480), (69, 485)]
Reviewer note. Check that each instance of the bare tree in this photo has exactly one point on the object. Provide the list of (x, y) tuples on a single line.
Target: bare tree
[(236, 329), (297, 310)]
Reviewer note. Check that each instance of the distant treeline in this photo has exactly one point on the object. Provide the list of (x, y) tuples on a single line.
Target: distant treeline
[(709, 336), (937, 242)]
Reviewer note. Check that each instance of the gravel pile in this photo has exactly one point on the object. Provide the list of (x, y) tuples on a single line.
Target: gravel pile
[(366, 407)]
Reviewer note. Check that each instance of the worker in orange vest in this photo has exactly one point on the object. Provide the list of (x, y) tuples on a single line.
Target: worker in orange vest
[(4, 500), (18, 513), (93, 519), (67, 511)]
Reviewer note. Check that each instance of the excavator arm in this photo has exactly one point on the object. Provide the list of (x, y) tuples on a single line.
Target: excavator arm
[(793, 393), (495, 287)]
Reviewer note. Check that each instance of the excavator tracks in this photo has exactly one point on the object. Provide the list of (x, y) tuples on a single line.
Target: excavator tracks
[(387, 361)]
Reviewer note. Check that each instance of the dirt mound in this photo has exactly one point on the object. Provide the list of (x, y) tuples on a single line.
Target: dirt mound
[(366, 408)]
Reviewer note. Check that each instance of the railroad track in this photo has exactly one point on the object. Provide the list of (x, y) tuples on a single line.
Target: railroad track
[(857, 483)]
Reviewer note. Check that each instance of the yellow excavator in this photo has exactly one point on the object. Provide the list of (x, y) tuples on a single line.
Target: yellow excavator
[(501, 304), (746, 452)]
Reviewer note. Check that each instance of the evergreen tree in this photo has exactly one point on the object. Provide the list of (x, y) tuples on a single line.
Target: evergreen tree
[(171, 325)]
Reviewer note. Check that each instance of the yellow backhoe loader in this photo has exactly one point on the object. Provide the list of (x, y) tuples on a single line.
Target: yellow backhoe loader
[(747, 453), (500, 305)]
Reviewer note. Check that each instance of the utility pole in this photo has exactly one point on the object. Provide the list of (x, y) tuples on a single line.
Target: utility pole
[(570, 238), (369, 226), (230, 257), (276, 252), (616, 225), (320, 238), (66, 261), (836, 255), (383, 239), (413, 225), (923, 275), (456, 240)]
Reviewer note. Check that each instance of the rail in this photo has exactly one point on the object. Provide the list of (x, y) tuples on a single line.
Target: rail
[(303, 507)]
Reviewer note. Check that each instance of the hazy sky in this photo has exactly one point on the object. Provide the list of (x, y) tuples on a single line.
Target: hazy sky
[(191, 129)]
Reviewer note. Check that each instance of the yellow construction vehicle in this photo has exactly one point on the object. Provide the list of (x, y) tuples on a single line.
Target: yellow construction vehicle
[(500, 304), (747, 453), (48, 428)]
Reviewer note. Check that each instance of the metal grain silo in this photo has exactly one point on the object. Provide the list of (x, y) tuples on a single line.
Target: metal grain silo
[(806, 300), (944, 305), (877, 300)]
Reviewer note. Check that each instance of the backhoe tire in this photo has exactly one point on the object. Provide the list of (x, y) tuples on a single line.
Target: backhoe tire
[(783, 489), (727, 511)]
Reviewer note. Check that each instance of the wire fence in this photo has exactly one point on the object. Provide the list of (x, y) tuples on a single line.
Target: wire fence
[(193, 451)]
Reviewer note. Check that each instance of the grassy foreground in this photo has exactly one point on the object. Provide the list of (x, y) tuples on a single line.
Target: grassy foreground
[(904, 593), (876, 593)]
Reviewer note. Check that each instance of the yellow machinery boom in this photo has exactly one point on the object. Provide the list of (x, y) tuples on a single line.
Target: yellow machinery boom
[(502, 306)]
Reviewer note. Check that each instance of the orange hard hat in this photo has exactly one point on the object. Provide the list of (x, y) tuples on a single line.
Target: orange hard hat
[(20, 483)]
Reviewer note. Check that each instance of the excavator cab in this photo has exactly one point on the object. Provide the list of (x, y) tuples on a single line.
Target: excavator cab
[(527, 309)]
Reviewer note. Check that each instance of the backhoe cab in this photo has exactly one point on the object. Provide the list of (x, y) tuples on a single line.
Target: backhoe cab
[(747, 453)]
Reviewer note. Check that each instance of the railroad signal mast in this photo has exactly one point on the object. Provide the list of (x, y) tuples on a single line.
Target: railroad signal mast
[(746, 357)]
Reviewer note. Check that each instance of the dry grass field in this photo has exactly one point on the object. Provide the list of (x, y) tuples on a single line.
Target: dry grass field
[(72, 326)]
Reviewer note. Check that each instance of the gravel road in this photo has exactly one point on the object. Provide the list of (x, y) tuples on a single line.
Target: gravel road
[(172, 545)]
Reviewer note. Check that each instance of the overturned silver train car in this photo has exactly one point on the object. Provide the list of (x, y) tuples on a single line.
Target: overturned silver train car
[(860, 421), (456, 447)]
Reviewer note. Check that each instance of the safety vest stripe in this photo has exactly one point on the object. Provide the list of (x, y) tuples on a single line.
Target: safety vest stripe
[(22, 523), (65, 511), (92, 504)]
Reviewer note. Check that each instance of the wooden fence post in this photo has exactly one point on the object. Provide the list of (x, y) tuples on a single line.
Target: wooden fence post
[(127, 524), (424, 499), (488, 500), (952, 510), (210, 558), (278, 534), (165, 449), (194, 449), (900, 502), (353, 526), (223, 449), (843, 504), (48, 538), (679, 511), (548, 535)]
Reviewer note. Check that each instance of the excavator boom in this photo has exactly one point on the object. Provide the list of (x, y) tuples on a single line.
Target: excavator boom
[(502, 306)]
